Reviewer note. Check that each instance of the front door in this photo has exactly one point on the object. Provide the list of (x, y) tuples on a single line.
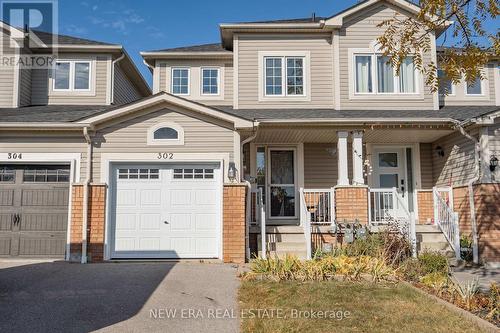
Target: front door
[(389, 171), (281, 184)]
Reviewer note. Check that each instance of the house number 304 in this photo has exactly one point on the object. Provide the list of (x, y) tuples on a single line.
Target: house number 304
[(14, 156), (165, 156)]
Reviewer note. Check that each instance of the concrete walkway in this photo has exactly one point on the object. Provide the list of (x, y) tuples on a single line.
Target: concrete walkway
[(485, 276), (118, 297)]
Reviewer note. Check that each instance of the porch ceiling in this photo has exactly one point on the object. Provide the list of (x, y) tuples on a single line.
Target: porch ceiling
[(326, 134)]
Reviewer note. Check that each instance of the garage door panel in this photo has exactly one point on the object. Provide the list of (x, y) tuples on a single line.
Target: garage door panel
[(149, 244), (44, 222), (205, 197), (5, 222), (181, 245), (126, 221), (204, 245), (150, 222), (41, 246), (7, 197), (180, 197), (126, 197), (205, 222), (150, 197), (45, 197), (5, 246), (180, 222)]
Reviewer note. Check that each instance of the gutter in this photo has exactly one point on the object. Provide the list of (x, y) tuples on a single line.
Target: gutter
[(113, 63), (357, 120), (85, 204)]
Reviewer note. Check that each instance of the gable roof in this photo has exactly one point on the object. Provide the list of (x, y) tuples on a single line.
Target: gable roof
[(47, 38), (212, 47)]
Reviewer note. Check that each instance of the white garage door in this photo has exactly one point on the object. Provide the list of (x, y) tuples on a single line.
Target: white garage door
[(165, 211)]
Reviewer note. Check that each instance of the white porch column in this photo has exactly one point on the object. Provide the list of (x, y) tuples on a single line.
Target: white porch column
[(357, 158), (342, 158)]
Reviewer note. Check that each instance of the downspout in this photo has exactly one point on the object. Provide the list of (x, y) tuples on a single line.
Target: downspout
[(475, 247), (249, 196), (86, 185), (120, 58)]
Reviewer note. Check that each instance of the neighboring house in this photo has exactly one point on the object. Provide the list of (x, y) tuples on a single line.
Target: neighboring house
[(274, 133)]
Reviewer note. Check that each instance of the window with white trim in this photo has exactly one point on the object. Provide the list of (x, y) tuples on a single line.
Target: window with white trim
[(210, 78), (474, 88), (180, 81), (284, 76), (193, 173), (72, 75), (374, 74), (137, 173), (166, 133)]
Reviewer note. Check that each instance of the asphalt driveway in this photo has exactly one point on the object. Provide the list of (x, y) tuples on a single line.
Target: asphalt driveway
[(118, 297)]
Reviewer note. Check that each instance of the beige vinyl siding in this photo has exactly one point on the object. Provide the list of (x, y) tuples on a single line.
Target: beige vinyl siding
[(426, 166), (360, 31), (321, 68), (226, 79), (320, 167), (24, 87), (456, 167), (6, 74), (201, 135), (124, 90), (459, 97), (42, 93), (45, 143)]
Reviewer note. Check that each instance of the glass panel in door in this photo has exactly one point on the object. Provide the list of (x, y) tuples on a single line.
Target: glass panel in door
[(282, 183)]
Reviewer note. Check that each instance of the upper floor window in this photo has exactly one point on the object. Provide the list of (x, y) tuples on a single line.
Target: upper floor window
[(72, 75), (180, 81), (371, 67), (474, 88), (284, 76), (446, 87), (210, 81)]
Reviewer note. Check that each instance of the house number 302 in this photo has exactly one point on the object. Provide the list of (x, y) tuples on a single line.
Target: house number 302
[(165, 156), (14, 156)]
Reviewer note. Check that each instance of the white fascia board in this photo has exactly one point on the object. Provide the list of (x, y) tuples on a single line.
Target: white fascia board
[(167, 98), (338, 20), (43, 125), (357, 120), (310, 25), (155, 55)]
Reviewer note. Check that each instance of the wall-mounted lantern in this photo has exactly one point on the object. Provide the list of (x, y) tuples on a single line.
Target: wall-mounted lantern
[(231, 172), (493, 163)]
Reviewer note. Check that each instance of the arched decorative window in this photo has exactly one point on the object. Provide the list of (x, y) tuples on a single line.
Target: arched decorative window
[(167, 134)]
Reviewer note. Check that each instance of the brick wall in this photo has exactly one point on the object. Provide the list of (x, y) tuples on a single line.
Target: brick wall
[(351, 203), (425, 202), (234, 223), (95, 226), (487, 205)]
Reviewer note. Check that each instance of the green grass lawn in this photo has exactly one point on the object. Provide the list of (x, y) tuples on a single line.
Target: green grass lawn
[(372, 308)]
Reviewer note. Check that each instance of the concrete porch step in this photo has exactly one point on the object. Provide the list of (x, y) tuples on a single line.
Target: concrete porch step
[(435, 237), (285, 238), (426, 228)]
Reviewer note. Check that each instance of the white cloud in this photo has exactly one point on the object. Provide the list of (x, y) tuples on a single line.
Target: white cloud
[(120, 21), (75, 29)]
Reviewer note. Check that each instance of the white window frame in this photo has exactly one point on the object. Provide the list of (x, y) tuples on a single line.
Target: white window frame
[(305, 55), (72, 75), (483, 88), (374, 72), (172, 80), (165, 142), (218, 80)]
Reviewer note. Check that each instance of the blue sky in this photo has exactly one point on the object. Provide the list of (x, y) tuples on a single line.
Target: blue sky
[(156, 24)]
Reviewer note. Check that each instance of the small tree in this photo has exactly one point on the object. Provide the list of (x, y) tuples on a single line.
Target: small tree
[(412, 36)]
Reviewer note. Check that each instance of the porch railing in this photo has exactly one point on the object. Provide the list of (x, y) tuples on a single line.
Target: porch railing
[(447, 220), (387, 206), (320, 204)]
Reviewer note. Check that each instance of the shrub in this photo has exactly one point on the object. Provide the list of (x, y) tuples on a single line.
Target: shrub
[(467, 291), (431, 262), (494, 302), (437, 281)]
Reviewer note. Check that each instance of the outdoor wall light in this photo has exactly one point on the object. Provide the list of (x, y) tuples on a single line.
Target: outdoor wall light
[(231, 172), (439, 151), (493, 163)]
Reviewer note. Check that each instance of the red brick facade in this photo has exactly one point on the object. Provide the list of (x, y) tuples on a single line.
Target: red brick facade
[(487, 207), (425, 202), (95, 226), (351, 203), (234, 223)]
